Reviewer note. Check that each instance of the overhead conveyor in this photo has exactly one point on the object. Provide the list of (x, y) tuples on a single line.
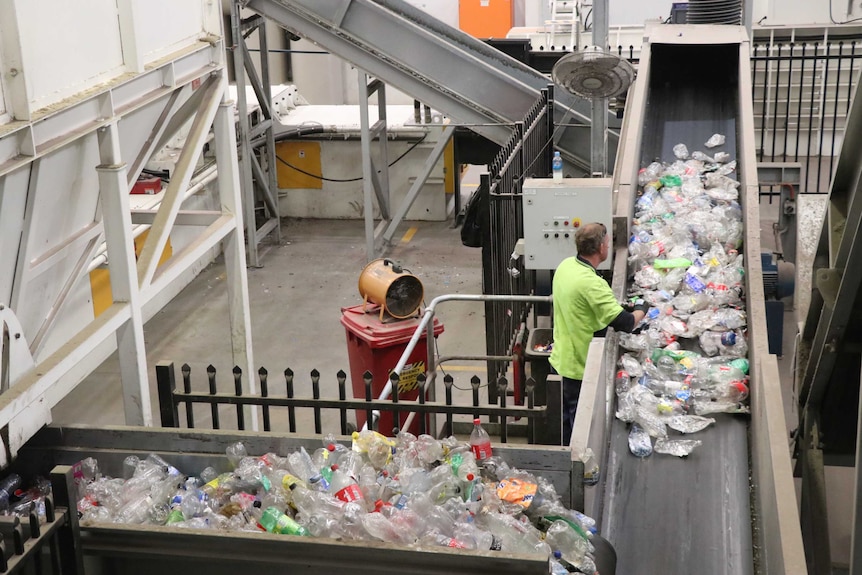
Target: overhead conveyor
[(730, 507), (445, 68)]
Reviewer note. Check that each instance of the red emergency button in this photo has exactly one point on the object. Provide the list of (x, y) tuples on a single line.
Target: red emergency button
[(576, 222)]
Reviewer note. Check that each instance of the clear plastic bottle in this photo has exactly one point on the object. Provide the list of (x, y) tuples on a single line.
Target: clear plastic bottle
[(7, 488), (344, 487), (622, 382), (557, 167), (714, 342), (480, 442), (562, 537)]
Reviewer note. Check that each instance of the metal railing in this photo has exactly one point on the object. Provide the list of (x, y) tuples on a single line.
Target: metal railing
[(801, 93), (47, 545), (526, 154), (540, 420)]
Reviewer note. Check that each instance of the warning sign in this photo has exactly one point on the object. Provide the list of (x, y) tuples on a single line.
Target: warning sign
[(409, 377)]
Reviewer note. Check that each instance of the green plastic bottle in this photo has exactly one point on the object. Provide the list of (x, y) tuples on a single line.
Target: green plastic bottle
[(274, 521)]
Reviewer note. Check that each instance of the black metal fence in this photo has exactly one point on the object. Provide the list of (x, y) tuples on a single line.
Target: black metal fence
[(542, 424), (46, 545), (801, 93), (527, 154)]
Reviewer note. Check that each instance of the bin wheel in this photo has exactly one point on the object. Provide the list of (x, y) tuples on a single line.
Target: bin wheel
[(605, 555)]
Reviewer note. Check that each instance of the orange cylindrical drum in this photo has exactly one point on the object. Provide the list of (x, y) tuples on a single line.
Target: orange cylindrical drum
[(398, 292)]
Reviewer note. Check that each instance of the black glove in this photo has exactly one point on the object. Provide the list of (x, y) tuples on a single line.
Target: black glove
[(642, 306)]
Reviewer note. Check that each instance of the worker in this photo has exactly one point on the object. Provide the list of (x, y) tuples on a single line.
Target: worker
[(584, 307)]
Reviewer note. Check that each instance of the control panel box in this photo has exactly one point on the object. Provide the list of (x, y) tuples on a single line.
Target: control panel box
[(553, 212)]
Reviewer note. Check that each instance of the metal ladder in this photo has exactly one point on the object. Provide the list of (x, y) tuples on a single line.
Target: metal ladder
[(565, 19)]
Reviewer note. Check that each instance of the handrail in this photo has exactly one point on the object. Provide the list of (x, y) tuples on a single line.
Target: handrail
[(428, 325)]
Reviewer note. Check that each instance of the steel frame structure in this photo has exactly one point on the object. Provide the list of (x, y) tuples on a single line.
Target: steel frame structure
[(255, 134), (187, 87)]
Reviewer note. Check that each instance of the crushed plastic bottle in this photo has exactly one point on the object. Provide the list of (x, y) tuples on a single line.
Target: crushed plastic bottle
[(677, 447), (715, 140), (640, 443), (689, 423)]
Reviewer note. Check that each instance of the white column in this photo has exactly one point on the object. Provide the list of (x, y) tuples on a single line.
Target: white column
[(130, 36), (12, 64), (234, 252), (124, 277)]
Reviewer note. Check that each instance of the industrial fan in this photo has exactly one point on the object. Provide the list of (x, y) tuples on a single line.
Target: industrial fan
[(593, 73)]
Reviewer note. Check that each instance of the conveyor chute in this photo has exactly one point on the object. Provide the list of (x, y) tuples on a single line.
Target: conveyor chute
[(435, 63), (731, 507)]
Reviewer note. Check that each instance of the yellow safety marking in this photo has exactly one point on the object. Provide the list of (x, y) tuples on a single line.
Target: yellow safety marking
[(447, 367), (408, 235)]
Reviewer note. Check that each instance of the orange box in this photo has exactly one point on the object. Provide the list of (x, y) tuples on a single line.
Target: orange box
[(486, 18)]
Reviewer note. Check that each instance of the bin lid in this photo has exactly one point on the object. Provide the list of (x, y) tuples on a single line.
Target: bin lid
[(364, 322)]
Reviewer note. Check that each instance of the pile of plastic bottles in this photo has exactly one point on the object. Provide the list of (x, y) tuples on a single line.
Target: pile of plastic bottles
[(416, 491), (15, 500), (687, 358)]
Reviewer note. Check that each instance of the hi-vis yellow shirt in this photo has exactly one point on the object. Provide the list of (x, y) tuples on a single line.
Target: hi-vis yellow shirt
[(583, 304)]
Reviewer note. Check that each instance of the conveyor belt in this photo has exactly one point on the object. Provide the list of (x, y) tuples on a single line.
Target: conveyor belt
[(663, 514)]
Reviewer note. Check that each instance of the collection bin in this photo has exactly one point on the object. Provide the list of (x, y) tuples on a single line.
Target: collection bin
[(156, 550), (376, 345), (540, 365)]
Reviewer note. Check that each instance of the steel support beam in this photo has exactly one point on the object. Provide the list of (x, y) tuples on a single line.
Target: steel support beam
[(234, 251), (113, 185), (252, 176), (173, 195), (367, 169), (838, 283), (599, 111), (856, 525), (414, 190), (813, 512)]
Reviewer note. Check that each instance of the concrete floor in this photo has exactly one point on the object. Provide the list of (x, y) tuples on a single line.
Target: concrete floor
[(296, 302)]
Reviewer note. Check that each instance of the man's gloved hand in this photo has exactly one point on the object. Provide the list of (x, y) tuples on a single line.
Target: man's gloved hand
[(636, 305)]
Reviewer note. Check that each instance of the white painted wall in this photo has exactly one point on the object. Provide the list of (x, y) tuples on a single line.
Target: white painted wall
[(90, 42), (78, 47)]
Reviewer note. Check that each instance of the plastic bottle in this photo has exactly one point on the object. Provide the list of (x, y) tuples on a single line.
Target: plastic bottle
[(557, 167), (714, 342), (622, 382), (273, 520), (7, 487), (556, 565), (480, 442), (562, 537), (640, 443), (344, 487)]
